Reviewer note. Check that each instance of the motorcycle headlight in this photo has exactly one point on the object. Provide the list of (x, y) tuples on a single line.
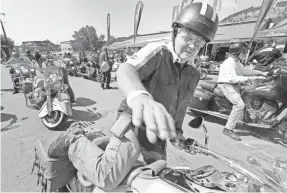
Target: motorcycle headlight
[(24, 70), (32, 70), (58, 85), (71, 62), (17, 71)]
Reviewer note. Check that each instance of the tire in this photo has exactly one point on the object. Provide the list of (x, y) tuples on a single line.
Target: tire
[(61, 118), (203, 74), (16, 83)]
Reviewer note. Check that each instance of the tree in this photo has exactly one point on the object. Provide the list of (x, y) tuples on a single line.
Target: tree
[(7, 45), (87, 38), (8, 42)]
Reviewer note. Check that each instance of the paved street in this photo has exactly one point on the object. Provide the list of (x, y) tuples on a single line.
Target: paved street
[(21, 127)]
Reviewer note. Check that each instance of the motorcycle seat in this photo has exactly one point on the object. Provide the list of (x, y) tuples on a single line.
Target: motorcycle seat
[(212, 87)]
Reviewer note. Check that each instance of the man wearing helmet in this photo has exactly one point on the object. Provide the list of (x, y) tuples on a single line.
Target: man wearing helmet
[(231, 73), (266, 55), (158, 83)]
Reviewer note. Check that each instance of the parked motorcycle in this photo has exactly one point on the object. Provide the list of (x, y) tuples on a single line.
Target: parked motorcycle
[(203, 73), (45, 94), (20, 70), (265, 100), (71, 65), (49, 62), (242, 177)]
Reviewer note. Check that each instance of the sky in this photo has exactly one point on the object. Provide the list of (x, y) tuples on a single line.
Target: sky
[(56, 20)]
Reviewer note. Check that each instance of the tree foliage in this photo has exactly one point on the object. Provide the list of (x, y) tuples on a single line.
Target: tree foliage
[(9, 42), (87, 38)]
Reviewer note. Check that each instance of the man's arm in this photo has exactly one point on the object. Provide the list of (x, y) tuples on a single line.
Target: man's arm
[(159, 123), (138, 67), (248, 72)]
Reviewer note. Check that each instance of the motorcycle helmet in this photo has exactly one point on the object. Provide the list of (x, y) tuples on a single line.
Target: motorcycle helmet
[(238, 47), (199, 17), (27, 52)]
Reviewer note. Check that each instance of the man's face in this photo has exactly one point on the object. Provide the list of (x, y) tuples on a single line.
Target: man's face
[(188, 44), (243, 54)]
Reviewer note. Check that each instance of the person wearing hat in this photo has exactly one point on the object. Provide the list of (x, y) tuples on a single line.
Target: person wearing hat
[(158, 83), (265, 56), (106, 68)]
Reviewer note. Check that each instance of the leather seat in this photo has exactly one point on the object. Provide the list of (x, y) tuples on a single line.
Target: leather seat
[(208, 85), (212, 87)]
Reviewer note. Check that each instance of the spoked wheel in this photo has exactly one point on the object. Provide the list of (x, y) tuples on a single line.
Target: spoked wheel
[(56, 119), (16, 83), (203, 74)]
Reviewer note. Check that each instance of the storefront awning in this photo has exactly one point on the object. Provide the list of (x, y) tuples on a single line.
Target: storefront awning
[(234, 32)]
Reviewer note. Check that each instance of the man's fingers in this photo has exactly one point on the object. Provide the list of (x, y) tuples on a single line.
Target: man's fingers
[(161, 122), (170, 122), (171, 125), (149, 118), (137, 117), (151, 136)]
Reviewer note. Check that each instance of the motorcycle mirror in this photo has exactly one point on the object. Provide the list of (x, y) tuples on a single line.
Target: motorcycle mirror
[(196, 123)]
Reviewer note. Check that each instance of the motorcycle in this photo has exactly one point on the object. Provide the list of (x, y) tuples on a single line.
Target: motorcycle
[(45, 94), (203, 73), (212, 67), (265, 100), (248, 177), (21, 70), (70, 65), (49, 62)]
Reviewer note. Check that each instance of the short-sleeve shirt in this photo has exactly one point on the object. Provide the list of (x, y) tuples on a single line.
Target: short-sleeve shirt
[(159, 70)]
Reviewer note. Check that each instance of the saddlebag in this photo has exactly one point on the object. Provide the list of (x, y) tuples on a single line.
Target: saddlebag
[(52, 173), (200, 99)]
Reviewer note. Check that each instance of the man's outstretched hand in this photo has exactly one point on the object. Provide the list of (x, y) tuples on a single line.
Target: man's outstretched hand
[(158, 122)]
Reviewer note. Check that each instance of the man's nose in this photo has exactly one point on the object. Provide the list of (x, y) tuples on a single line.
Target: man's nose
[(191, 46)]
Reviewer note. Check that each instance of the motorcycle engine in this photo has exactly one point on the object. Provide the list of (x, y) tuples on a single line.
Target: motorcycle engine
[(37, 98), (259, 109)]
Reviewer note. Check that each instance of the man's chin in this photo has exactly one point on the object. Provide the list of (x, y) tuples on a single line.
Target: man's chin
[(186, 57)]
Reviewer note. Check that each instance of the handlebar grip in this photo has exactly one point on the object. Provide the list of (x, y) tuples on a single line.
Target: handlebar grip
[(121, 126)]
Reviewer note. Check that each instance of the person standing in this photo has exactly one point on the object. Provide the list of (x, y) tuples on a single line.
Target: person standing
[(106, 78)]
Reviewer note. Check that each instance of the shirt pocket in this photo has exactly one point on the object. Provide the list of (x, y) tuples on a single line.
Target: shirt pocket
[(162, 87)]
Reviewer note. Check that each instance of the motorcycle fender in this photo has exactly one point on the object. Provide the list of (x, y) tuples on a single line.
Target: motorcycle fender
[(60, 105)]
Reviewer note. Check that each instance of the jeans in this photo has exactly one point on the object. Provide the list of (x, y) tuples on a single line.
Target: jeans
[(106, 78), (232, 93), (107, 169), (66, 81)]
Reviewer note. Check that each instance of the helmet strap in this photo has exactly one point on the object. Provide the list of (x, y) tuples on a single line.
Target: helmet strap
[(174, 34)]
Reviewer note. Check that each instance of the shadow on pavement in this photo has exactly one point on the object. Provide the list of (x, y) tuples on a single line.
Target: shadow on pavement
[(88, 115), (84, 102), (6, 117), (7, 90)]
